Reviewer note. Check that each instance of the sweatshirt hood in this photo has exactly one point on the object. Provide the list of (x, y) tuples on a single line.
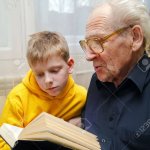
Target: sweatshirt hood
[(30, 82)]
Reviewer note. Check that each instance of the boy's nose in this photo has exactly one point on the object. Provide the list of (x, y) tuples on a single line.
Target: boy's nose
[(48, 78)]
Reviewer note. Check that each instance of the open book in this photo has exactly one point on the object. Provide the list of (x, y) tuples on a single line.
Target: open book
[(46, 127)]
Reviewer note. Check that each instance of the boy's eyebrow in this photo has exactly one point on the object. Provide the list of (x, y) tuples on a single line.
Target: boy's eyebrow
[(49, 68), (57, 66)]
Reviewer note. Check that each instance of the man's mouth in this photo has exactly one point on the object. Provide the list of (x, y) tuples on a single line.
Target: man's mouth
[(97, 68)]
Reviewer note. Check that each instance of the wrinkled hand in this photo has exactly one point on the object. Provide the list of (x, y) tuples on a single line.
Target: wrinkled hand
[(76, 121)]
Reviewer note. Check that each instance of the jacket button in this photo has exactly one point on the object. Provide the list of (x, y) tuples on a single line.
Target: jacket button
[(103, 141)]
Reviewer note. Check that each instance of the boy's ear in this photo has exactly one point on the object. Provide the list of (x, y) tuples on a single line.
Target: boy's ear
[(70, 64)]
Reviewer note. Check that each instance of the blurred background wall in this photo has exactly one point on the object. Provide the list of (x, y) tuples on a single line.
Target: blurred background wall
[(20, 18)]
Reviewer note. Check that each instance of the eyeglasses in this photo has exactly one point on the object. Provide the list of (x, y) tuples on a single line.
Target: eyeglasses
[(96, 44)]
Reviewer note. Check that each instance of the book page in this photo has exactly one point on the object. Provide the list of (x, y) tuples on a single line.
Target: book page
[(55, 139), (60, 128), (53, 119), (10, 133)]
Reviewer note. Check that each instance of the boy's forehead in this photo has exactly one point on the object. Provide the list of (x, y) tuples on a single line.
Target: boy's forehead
[(51, 62)]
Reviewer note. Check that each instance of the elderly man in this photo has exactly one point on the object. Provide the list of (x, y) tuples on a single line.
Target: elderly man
[(118, 102)]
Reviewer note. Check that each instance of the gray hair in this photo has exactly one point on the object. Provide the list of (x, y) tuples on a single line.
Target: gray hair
[(131, 12)]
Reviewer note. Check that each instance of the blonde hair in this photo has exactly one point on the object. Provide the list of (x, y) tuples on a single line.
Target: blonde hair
[(44, 44)]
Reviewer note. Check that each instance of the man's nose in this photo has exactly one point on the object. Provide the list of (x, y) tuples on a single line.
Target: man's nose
[(90, 56)]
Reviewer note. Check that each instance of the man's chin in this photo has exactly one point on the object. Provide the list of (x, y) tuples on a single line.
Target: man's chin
[(103, 78)]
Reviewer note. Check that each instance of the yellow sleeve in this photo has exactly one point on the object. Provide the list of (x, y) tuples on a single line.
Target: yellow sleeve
[(3, 145), (12, 114)]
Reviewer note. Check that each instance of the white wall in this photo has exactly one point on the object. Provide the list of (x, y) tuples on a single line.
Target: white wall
[(20, 18)]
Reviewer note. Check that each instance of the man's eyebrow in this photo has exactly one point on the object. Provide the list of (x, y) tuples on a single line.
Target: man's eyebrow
[(96, 35)]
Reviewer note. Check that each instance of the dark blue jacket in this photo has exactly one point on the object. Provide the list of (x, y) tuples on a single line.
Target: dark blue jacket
[(120, 117)]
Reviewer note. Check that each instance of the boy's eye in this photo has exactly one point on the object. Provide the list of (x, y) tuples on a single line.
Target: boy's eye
[(55, 71), (40, 75)]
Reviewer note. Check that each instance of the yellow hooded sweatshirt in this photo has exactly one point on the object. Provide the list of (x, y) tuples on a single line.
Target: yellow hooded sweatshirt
[(27, 100)]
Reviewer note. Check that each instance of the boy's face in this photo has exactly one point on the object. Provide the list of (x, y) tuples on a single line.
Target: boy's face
[(52, 75)]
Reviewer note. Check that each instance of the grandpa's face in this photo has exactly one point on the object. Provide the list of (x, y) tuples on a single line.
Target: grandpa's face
[(114, 62)]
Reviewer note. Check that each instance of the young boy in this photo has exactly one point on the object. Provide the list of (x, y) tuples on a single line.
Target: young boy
[(47, 87)]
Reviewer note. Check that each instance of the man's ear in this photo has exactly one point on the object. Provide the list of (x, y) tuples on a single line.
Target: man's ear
[(138, 38), (71, 65)]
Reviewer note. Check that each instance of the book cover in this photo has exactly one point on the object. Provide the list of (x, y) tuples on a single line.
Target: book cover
[(38, 145)]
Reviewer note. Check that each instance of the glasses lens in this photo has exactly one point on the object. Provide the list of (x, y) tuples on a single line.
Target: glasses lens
[(95, 45), (83, 44)]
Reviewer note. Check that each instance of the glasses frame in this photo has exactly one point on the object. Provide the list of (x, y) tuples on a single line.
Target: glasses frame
[(100, 40)]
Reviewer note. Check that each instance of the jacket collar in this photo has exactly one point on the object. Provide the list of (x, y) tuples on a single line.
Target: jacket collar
[(138, 74)]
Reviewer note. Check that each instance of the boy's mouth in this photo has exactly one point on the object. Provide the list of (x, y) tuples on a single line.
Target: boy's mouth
[(52, 88)]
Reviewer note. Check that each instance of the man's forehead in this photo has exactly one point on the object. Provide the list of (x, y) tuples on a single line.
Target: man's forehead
[(99, 21), (100, 25)]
